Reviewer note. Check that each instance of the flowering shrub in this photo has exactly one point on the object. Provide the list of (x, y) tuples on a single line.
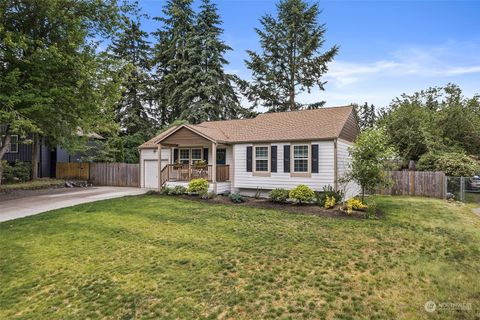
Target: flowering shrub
[(355, 204), (330, 202)]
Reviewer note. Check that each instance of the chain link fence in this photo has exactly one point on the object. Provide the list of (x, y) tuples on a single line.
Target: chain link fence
[(465, 189)]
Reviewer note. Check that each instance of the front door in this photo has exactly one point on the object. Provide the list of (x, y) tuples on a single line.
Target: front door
[(221, 156)]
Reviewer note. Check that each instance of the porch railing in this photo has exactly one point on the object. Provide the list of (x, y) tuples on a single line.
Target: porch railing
[(186, 172)]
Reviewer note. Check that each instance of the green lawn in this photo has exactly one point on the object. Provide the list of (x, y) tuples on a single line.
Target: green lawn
[(152, 257)]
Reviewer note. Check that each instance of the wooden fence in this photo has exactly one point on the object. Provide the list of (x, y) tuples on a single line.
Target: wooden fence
[(101, 174), (416, 183)]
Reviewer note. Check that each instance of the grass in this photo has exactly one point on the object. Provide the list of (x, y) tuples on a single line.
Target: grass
[(34, 184), (152, 257)]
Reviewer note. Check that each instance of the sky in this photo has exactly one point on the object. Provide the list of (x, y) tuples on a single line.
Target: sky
[(387, 48)]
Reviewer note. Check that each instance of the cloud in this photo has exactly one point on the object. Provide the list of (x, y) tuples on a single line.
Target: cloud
[(444, 61)]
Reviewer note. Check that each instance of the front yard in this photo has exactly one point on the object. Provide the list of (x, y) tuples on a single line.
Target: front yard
[(151, 257)]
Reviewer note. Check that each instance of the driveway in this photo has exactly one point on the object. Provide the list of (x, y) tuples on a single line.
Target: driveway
[(31, 205)]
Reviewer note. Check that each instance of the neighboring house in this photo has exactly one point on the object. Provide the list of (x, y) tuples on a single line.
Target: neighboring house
[(48, 156), (272, 150)]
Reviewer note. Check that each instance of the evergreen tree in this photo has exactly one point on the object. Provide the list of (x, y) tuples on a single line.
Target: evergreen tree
[(207, 92), (132, 49), (291, 61), (367, 116), (170, 56)]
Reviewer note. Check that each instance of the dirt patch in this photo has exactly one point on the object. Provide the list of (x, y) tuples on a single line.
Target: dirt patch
[(308, 209)]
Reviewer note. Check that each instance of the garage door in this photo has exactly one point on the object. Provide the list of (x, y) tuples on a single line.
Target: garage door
[(151, 174)]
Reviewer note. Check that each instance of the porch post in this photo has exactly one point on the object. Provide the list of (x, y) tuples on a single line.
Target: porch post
[(214, 166), (159, 151)]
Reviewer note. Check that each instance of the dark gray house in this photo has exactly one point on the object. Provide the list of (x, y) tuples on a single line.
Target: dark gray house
[(48, 156)]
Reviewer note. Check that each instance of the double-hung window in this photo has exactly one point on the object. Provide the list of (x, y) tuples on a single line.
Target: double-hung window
[(190, 156), (261, 159), (196, 155), (300, 158), (184, 156)]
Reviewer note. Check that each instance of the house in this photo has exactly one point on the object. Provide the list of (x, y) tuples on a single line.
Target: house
[(48, 156), (272, 150)]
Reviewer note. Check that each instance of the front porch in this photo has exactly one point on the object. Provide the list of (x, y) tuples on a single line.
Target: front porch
[(187, 172), (185, 154)]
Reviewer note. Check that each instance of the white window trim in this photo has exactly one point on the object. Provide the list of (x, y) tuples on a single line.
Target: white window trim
[(9, 147), (294, 173), (254, 161)]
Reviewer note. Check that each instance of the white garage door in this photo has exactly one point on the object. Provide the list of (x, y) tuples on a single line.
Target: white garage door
[(151, 174)]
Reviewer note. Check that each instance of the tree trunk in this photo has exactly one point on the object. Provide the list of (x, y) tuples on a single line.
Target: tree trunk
[(35, 155), (3, 151)]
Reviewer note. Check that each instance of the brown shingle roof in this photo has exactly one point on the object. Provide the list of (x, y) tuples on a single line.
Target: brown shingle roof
[(323, 123)]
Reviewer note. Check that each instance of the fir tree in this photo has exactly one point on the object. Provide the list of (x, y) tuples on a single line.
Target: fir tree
[(133, 51), (290, 61), (367, 116), (207, 92), (170, 56)]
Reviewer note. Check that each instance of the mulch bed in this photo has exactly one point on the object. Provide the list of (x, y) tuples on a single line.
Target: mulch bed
[(308, 209)]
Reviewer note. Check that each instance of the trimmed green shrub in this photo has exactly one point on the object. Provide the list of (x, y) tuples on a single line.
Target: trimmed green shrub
[(7, 176), (198, 186), (178, 190), (278, 195), (302, 194), (236, 198), (22, 171)]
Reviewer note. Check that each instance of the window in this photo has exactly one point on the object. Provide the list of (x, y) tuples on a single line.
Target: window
[(13, 147), (261, 159), (184, 156), (191, 156), (300, 158), (196, 155)]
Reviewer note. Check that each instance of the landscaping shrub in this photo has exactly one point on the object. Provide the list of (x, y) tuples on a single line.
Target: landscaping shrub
[(328, 191), (198, 186), (7, 176), (355, 204), (21, 171), (329, 202), (302, 194), (236, 197), (278, 195), (454, 164), (178, 190), (166, 191)]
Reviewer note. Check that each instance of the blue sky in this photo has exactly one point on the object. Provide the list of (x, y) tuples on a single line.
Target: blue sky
[(386, 47)]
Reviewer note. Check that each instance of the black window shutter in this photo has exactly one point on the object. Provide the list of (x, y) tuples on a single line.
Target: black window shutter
[(273, 158), (314, 158), (249, 159), (205, 154), (286, 158), (175, 155)]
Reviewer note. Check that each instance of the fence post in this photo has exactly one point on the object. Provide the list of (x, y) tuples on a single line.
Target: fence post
[(445, 186), (462, 189)]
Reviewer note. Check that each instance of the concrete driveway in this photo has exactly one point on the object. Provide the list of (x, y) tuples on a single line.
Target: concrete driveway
[(31, 205)]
